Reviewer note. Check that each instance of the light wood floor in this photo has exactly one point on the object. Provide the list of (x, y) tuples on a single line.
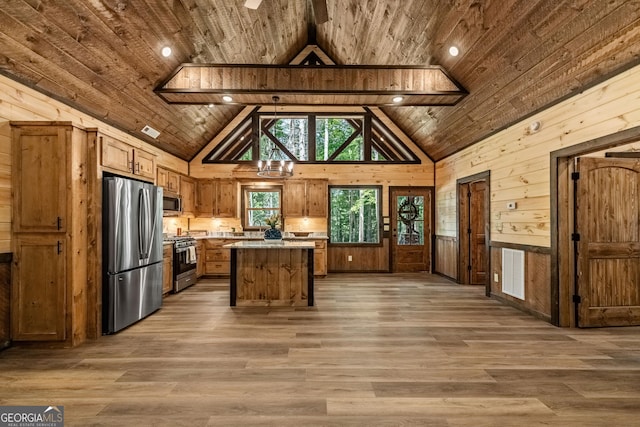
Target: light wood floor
[(377, 350)]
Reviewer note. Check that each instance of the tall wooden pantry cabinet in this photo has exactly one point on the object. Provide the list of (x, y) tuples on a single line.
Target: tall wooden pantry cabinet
[(49, 183)]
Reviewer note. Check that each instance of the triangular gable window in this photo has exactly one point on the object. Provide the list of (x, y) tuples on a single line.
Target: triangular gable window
[(313, 138)]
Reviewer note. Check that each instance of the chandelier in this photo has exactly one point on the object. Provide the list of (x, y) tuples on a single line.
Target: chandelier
[(275, 166)]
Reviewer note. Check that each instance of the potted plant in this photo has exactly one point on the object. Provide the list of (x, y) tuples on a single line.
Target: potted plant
[(272, 233)]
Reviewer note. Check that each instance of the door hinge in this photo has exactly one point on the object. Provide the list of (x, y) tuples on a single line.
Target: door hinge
[(469, 194), (469, 267), (575, 176), (577, 299), (468, 231), (575, 237)]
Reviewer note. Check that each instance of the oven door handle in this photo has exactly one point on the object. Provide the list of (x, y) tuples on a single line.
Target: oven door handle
[(183, 249)]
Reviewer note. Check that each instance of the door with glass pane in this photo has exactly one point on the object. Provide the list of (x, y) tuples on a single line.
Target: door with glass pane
[(411, 214)]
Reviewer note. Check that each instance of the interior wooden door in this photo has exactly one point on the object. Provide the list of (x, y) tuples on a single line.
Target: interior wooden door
[(608, 242), (477, 233), (473, 228), (411, 213)]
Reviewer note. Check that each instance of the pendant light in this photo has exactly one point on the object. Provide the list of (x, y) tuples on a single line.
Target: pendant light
[(275, 166)]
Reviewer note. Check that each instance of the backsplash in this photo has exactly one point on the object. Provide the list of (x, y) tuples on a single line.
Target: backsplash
[(170, 225)]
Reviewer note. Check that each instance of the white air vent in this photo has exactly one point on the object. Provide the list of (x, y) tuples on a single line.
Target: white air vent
[(513, 272), (148, 130), (252, 4)]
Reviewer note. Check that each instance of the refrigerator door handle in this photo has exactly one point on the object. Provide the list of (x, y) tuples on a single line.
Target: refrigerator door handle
[(143, 224)]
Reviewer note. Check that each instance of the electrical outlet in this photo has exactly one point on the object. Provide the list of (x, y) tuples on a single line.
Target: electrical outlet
[(349, 258), (496, 278)]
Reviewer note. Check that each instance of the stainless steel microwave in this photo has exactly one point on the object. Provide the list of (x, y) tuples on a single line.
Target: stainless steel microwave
[(171, 205)]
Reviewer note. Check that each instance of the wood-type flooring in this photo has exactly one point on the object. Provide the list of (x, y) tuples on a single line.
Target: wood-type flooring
[(376, 350)]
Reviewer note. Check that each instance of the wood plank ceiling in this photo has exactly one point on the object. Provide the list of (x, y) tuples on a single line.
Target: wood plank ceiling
[(517, 56)]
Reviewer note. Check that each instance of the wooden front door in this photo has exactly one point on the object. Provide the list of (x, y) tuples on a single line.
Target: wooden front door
[(473, 227), (608, 242), (411, 212)]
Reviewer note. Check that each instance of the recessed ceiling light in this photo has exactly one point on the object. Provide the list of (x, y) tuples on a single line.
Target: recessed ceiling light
[(166, 51), (210, 105), (397, 99), (227, 98), (454, 51)]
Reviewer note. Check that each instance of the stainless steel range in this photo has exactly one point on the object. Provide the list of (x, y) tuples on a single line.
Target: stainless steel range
[(184, 262)]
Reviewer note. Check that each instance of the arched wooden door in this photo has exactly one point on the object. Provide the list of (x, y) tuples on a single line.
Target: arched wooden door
[(607, 239), (411, 215)]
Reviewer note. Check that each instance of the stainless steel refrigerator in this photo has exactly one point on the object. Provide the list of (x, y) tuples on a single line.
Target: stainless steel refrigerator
[(132, 252)]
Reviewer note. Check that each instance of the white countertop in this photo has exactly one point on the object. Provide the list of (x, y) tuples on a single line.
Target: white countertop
[(270, 244), (259, 236)]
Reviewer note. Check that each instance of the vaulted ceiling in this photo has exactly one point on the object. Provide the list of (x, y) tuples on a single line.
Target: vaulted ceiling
[(517, 56)]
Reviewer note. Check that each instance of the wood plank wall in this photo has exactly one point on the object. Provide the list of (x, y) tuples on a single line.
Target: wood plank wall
[(19, 102), (363, 259), (519, 162), (537, 265), (446, 256), (5, 184)]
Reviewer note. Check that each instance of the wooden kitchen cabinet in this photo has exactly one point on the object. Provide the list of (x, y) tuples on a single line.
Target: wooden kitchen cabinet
[(188, 195), (167, 268), (316, 197), (119, 156), (200, 266), (226, 198), (50, 280), (320, 258), (305, 198), (205, 197), (217, 198), (38, 296), (40, 152), (217, 259), (168, 180), (144, 163), (294, 203)]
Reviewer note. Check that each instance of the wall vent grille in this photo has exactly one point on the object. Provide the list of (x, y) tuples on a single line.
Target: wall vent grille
[(513, 272), (148, 130)]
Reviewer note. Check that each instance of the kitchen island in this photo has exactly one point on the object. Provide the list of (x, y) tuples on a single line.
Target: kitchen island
[(271, 273)]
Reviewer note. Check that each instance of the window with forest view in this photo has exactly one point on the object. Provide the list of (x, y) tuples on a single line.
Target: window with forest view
[(339, 139), (289, 134), (354, 215), (258, 205), (312, 138)]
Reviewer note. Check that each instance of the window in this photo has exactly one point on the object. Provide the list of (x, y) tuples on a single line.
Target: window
[(289, 134), (354, 215), (312, 138), (259, 203), (339, 139)]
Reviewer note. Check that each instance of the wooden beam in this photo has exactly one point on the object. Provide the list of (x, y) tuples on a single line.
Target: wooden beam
[(310, 85)]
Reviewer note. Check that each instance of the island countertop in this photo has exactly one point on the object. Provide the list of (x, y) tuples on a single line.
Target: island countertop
[(266, 244), (271, 273)]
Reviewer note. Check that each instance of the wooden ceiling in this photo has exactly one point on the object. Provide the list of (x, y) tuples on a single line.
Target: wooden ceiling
[(517, 56)]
